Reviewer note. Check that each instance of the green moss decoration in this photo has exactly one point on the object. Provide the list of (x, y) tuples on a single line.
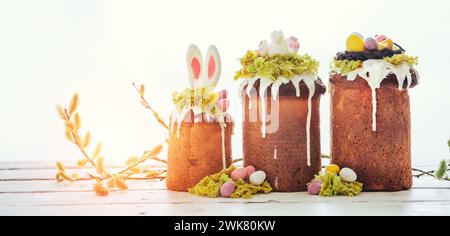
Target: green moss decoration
[(346, 66), (246, 190), (210, 186), (203, 98), (273, 67), (332, 185), (402, 58)]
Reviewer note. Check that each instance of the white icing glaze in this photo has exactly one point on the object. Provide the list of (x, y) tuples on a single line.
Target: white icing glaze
[(308, 79), (275, 153), (223, 125), (374, 72), (264, 83), (276, 183)]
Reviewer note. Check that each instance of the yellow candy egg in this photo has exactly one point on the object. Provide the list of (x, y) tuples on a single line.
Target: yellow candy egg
[(332, 169), (356, 43), (388, 43)]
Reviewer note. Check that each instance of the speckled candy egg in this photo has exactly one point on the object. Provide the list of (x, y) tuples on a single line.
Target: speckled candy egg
[(355, 43), (237, 174), (332, 169), (227, 189), (250, 170), (348, 175), (380, 38), (314, 187), (371, 44), (258, 177)]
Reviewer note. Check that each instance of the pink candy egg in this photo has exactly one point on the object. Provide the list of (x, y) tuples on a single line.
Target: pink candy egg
[(371, 44), (380, 38), (314, 187), (240, 173), (250, 170), (227, 189)]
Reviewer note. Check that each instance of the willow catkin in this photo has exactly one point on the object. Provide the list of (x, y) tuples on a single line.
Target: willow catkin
[(77, 121), (119, 182), (155, 151), (100, 189), (97, 151), (87, 140), (64, 176), (100, 166), (61, 112), (73, 104), (60, 166), (81, 163)]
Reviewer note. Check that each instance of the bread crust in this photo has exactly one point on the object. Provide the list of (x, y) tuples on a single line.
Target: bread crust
[(381, 158), (287, 170), (196, 153)]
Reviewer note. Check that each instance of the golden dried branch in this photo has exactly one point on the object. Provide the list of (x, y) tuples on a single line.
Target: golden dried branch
[(72, 122), (141, 91)]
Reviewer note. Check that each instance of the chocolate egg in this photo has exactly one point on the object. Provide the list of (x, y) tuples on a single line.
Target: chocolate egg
[(389, 43), (314, 187), (355, 43), (237, 174), (227, 189), (250, 170), (332, 169), (348, 175), (386, 44), (371, 44), (258, 177), (380, 38)]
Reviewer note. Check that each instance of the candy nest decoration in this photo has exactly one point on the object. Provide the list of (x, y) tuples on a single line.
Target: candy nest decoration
[(233, 183), (335, 182), (280, 93), (200, 128), (370, 111)]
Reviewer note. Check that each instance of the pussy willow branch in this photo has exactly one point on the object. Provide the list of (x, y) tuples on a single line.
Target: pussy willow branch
[(147, 106), (77, 141)]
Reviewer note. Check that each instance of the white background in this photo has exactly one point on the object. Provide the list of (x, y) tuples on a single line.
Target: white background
[(52, 49)]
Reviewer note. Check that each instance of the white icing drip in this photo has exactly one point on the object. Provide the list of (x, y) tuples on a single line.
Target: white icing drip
[(264, 83), (312, 89), (223, 125), (178, 118), (250, 85), (296, 82), (241, 87), (308, 79), (275, 153), (374, 72), (276, 86)]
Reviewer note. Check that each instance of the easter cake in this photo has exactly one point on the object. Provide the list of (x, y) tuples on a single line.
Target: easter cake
[(200, 127), (370, 111), (280, 93)]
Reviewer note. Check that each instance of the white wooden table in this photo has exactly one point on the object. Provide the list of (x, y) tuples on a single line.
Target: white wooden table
[(30, 189)]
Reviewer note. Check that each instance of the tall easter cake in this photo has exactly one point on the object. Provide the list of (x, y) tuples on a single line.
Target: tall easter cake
[(200, 128), (281, 93), (370, 112)]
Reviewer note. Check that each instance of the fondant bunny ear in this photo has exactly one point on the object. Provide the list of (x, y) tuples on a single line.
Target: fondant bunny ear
[(213, 67), (194, 64)]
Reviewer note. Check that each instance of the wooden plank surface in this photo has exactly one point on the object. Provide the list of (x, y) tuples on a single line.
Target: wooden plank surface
[(30, 189)]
